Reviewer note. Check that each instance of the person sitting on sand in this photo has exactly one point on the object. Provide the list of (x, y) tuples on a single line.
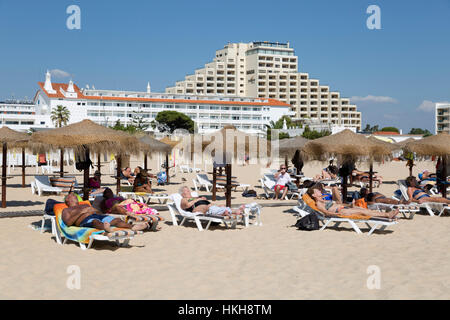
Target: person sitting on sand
[(364, 177), (377, 197), (200, 204), (416, 194), (330, 208), (282, 178), (126, 174), (142, 182), (85, 216)]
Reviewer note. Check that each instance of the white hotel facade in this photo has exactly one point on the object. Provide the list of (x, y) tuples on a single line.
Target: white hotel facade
[(442, 120), (269, 70), (210, 113)]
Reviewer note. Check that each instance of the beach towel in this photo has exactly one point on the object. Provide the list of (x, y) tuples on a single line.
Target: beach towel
[(83, 234)]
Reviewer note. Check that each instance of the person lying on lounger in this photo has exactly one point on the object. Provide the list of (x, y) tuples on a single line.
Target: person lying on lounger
[(330, 208), (142, 182), (416, 194), (85, 216), (200, 204), (376, 197), (364, 177), (129, 207), (94, 184)]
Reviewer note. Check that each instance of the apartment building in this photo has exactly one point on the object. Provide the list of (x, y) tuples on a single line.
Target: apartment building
[(442, 119), (269, 70)]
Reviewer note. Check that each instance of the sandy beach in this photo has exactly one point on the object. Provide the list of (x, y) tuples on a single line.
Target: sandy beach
[(273, 261)]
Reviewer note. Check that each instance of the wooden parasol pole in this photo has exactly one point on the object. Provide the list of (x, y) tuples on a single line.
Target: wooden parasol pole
[(444, 177), (99, 166), (228, 186), (214, 189), (370, 177), (145, 161), (167, 167), (86, 177), (61, 162), (23, 167), (119, 166), (4, 156)]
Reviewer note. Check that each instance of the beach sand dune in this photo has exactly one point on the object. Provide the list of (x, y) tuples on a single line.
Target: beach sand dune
[(274, 261)]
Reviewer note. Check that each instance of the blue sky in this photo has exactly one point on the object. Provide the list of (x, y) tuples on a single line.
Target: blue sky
[(393, 74)]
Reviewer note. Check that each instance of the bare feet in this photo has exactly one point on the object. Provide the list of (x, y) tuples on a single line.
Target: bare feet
[(393, 214), (107, 227)]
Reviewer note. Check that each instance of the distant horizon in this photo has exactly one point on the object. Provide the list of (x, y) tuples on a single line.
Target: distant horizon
[(394, 75)]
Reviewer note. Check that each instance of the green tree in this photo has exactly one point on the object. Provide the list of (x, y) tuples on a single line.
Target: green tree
[(60, 116), (390, 129), (172, 120), (314, 134), (423, 132), (138, 121), (127, 128)]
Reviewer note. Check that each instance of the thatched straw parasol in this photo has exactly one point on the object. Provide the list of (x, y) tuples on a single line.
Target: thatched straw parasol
[(288, 147), (169, 141), (11, 138), (229, 138), (84, 137), (403, 143), (437, 145), (346, 146), (392, 146), (149, 145)]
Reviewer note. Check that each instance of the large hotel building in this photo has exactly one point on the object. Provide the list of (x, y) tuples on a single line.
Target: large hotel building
[(269, 71), (442, 117)]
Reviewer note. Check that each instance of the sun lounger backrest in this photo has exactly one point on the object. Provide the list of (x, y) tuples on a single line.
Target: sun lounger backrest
[(403, 189), (43, 180), (176, 198), (203, 178)]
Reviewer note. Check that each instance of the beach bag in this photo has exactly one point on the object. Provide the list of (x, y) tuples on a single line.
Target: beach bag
[(161, 177), (361, 203), (82, 164), (308, 223), (249, 193)]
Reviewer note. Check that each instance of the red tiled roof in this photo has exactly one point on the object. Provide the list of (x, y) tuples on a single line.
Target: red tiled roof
[(386, 133), (58, 94)]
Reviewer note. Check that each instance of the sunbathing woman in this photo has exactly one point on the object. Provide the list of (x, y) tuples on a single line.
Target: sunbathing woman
[(376, 197), (200, 204), (142, 182), (416, 194), (128, 207), (329, 208)]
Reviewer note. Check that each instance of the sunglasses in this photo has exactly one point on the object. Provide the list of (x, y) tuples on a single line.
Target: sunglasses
[(282, 168)]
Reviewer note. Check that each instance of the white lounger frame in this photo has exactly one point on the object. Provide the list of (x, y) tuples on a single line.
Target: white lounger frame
[(371, 224)]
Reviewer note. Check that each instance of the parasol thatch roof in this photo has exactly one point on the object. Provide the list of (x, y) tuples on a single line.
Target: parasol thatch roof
[(289, 146), (14, 139), (86, 133), (392, 146), (170, 142), (149, 144), (437, 145), (345, 145), (403, 143), (239, 141)]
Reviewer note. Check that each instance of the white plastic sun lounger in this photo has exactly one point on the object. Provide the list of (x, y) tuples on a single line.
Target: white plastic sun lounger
[(407, 210), (42, 184), (427, 206), (372, 224), (198, 217), (203, 181)]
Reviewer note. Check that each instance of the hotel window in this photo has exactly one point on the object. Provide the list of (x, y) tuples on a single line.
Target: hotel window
[(236, 108)]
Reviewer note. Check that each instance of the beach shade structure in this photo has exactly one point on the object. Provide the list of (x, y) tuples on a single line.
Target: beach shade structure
[(148, 145), (233, 142), (11, 138), (407, 155), (288, 147), (84, 137), (438, 146), (345, 146)]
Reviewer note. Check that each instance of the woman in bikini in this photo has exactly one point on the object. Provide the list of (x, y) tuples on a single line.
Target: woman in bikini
[(364, 177), (376, 197), (200, 204), (330, 208), (142, 182), (416, 194)]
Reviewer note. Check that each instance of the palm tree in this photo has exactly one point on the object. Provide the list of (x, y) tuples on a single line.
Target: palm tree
[(60, 116)]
